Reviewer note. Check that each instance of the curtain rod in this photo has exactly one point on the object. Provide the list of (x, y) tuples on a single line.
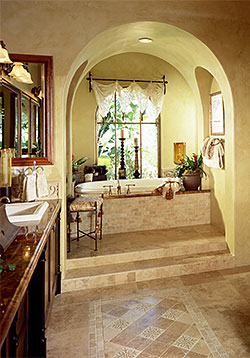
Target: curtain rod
[(90, 78)]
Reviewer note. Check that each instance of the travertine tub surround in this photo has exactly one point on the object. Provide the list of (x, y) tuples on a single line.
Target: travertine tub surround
[(137, 213)]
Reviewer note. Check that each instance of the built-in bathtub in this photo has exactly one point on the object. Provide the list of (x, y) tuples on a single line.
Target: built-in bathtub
[(139, 186), (141, 210)]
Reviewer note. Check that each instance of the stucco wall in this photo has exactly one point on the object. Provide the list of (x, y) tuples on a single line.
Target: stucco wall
[(178, 116), (215, 179), (63, 28)]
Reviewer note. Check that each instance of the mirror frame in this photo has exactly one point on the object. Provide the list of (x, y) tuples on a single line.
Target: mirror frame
[(49, 120)]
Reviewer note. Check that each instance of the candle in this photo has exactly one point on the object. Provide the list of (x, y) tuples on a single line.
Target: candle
[(122, 133), (5, 169), (136, 142)]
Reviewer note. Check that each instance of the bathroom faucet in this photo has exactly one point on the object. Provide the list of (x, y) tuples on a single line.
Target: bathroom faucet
[(128, 189), (5, 198), (110, 188)]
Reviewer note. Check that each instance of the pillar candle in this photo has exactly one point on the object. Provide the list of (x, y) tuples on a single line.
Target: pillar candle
[(122, 133), (136, 142), (5, 169)]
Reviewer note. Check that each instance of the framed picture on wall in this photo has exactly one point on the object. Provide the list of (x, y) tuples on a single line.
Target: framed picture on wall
[(217, 114)]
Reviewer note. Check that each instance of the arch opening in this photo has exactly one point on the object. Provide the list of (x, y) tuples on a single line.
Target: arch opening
[(195, 64)]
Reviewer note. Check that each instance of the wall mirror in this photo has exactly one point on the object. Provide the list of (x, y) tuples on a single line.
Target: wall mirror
[(26, 111)]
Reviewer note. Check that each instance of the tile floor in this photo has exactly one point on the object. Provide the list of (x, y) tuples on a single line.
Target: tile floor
[(193, 316), (143, 240)]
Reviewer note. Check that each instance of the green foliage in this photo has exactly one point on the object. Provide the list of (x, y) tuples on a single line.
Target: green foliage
[(9, 267), (77, 163), (190, 165), (106, 142)]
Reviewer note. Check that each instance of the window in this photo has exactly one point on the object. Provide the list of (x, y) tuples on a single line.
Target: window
[(135, 125)]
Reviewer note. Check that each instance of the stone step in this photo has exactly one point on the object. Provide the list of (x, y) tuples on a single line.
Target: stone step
[(143, 270), (173, 248)]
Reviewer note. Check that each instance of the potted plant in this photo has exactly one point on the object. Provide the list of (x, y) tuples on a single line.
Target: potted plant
[(191, 171), (77, 163)]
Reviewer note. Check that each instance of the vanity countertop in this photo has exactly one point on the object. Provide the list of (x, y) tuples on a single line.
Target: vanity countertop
[(24, 253)]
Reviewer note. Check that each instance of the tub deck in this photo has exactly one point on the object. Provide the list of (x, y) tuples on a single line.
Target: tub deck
[(141, 195)]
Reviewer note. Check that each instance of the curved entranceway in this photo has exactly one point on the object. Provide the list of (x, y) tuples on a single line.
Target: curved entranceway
[(188, 55)]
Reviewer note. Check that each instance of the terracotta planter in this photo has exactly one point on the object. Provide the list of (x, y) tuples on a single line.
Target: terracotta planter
[(191, 181)]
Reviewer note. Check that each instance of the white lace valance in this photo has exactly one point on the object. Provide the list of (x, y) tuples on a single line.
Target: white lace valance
[(153, 93)]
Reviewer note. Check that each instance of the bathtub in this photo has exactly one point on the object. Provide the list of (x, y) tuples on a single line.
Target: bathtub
[(139, 186)]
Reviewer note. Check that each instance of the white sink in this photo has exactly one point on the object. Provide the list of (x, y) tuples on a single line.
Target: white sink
[(21, 213)]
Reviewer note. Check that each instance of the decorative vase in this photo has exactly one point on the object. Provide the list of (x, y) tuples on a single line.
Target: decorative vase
[(191, 181)]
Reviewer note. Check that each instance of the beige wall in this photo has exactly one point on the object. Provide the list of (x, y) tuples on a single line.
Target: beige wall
[(215, 179), (67, 29), (217, 184), (178, 116)]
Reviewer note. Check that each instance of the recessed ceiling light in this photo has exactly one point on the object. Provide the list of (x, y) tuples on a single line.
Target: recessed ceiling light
[(145, 40)]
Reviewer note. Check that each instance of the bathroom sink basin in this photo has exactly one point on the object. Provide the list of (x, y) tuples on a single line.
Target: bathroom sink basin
[(21, 213)]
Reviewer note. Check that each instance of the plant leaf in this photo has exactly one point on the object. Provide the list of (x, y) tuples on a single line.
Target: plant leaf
[(11, 267)]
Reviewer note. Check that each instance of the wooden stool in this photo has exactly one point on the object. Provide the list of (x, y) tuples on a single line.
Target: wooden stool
[(83, 204)]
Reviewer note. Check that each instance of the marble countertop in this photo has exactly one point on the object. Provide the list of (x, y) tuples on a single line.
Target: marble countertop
[(24, 253)]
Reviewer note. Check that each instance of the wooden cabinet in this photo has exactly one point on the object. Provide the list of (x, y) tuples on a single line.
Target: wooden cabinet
[(52, 269), (16, 343), (27, 334)]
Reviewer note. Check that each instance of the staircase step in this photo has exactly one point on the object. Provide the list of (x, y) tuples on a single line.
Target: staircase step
[(172, 249), (143, 270)]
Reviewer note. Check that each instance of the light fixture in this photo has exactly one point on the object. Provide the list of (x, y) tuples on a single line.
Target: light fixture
[(20, 73), (4, 56), (145, 40), (37, 91)]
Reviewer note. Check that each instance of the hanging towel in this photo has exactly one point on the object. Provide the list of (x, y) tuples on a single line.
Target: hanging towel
[(41, 185), (29, 187), (214, 155), (205, 144)]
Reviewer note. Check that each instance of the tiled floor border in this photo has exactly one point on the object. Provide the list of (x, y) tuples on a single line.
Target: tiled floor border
[(96, 339)]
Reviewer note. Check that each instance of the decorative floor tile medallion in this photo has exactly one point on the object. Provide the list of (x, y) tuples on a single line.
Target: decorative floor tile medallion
[(152, 333), (143, 306), (139, 322), (120, 324), (172, 314), (185, 342), (127, 353)]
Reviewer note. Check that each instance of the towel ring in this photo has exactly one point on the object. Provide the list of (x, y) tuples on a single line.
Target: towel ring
[(39, 170), (35, 170), (28, 171)]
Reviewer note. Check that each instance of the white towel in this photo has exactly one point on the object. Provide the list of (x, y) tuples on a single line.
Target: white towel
[(29, 187), (217, 160), (41, 185)]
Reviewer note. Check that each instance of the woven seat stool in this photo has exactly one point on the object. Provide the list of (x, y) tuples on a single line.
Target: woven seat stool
[(84, 204)]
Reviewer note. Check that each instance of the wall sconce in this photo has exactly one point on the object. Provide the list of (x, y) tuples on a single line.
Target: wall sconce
[(179, 152), (18, 70), (20, 73), (4, 56)]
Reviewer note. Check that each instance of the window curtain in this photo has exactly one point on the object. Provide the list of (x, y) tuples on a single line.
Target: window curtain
[(153, 94)]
